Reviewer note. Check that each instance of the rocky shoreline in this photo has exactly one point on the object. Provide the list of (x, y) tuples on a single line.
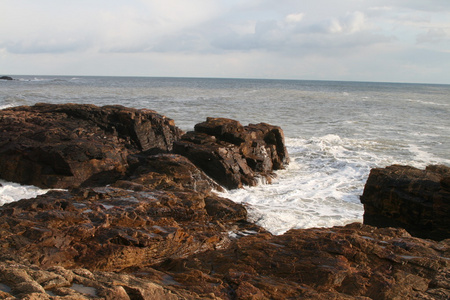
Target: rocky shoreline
[(139, 218)]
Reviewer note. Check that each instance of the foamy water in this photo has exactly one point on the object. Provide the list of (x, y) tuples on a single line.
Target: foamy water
[(11, 192), (335, 133)]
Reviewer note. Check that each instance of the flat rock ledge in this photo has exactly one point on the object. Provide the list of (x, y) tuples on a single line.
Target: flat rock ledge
[(140, 218)]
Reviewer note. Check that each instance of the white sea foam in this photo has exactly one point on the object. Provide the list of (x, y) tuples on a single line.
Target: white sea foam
[(320, 187), (11, 192)]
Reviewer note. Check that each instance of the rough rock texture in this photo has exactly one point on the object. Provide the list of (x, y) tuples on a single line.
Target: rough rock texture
[(62, 146), (352, 262), (166, 172), (158, 230), (232, 154), (25, 281), (108, 228), (407, 197)]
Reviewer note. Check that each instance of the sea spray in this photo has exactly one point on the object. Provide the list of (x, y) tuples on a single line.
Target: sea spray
[(11, 192), (335, 131)]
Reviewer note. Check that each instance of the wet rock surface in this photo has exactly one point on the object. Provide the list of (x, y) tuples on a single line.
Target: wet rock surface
[(232, 154), (414, 199)]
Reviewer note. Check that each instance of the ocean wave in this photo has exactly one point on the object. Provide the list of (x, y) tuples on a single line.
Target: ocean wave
[(11, 192)]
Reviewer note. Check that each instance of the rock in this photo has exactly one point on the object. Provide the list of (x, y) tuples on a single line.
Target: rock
[(80, 284), (346, 262), (6, 78), (410, 198), (232, 154), (69, 145), (110, 229), (351, 262), (166, 172)]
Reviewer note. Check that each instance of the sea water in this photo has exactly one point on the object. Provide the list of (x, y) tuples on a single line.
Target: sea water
[(336, 132)]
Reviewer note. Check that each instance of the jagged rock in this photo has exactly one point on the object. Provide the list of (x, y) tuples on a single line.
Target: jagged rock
[(6, 78), (166, 172), (68, 145), (351, 262), (232, 154), (160, 232), (407, 197), (109, 228), (59, 283)]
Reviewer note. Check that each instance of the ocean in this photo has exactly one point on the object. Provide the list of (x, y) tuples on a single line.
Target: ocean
[(336, 132)]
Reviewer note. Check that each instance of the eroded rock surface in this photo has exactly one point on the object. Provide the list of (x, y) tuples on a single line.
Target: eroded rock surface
[(232, 154), (68, 145), (351, 262), (159, 231), (407, 197)]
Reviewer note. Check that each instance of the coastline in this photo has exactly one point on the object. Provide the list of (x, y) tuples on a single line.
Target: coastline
[(157, 228)]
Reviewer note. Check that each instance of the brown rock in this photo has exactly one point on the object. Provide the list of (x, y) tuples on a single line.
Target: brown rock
[(68, 145), (351, 262), (111, 228), (232, 154), (167, 172), (82, 284), (407, 197)]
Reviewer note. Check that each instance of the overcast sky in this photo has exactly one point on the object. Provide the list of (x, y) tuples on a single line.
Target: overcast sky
[(360, 40)]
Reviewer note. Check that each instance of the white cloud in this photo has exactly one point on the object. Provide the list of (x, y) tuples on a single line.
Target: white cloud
[(294, 18), (164, 34)]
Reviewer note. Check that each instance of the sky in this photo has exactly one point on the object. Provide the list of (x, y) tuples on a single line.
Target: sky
[(356, 40)]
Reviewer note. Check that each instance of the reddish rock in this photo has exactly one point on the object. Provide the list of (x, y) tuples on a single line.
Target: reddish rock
[(24, 281), (232, 154), (108, 228), (407, 197), (351, 262), (69, 145)]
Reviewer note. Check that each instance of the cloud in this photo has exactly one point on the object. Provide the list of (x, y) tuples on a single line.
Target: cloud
[(434, 35), (294, 18), (205, 33)]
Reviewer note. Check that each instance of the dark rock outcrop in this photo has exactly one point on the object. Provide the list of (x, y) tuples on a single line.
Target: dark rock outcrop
[(407, 197), (68, 145), (6, 78), (232, 154), (170, 172)]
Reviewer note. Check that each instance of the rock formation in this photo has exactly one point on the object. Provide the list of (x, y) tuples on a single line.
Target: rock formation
[(60, 146), (407, 197), (141, 222), (6, 78), (232, 154)]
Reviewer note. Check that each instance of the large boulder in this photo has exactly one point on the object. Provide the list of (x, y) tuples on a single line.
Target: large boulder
[(110, 228), (68, 145), (232, 154), (407, 197)]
